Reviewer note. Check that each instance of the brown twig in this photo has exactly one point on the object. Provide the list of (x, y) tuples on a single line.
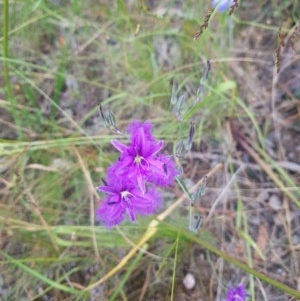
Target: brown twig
[(233, 7), (204, 25)]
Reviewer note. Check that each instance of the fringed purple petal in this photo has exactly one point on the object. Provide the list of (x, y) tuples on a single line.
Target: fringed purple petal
[(125, 197), (163, 171), (141, 184), (110, 215), (122, 148), (237, 294), (131, 214)]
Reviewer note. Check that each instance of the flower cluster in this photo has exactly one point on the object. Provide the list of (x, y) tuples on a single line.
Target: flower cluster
[(237, 294), (131, 182)]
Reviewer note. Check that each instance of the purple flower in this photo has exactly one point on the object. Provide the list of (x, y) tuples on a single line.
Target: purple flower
[(139, 161), (237, 294), (222, 5), (131, 180), (165, 172), (125, 197)]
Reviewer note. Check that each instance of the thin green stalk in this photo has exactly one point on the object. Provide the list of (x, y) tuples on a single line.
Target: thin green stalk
[(249, 258), (174, 266), (186, 191), (33, 272), (5, 50)]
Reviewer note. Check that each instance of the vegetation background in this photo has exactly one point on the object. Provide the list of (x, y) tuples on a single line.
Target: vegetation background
[(60, 58)]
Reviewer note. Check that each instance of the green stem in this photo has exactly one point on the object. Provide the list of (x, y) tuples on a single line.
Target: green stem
[(174, 266), (5, 50)]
